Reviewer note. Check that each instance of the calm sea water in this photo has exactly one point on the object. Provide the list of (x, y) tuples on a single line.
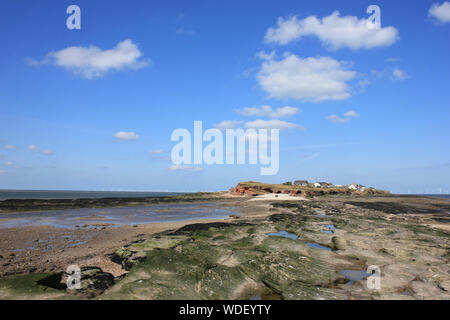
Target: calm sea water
[(43, 194), (443, 196), (70, 218)]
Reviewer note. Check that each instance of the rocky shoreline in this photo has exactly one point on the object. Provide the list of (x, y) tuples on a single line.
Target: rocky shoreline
[(318, 248)]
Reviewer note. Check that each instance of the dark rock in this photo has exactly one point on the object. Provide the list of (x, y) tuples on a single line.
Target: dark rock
[(204, 226), (93, 281)]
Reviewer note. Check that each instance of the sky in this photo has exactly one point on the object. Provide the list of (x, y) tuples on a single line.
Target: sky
[(94, 108)]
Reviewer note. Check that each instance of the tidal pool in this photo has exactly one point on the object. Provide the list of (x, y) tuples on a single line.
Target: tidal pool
[(116, 216), (317, 246), (353, 275), (329, 228), (284, 234)]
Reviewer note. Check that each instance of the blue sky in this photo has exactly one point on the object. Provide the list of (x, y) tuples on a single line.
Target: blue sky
[(160, 65)]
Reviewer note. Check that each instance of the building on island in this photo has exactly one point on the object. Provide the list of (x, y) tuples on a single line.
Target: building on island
[(301, 183)]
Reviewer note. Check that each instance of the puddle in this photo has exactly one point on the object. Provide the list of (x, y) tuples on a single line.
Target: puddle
[(354, 275), (407, 293), (317, 246), (329, 228), (77, 244), (284, 234)]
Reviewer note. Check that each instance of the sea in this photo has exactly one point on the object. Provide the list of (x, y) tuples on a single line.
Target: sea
[(49, 194), (443, 196), (115, 216)]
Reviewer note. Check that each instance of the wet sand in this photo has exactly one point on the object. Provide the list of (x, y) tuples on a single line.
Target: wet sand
[(46, 249), (52, 240)]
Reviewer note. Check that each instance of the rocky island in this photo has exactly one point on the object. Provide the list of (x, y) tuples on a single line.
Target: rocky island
[(281, 242)]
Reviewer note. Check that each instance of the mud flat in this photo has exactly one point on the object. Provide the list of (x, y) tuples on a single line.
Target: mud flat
[(270, 250)]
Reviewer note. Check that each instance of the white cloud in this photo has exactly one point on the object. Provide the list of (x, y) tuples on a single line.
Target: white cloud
[(271, 124), (399, 74), (157, 151), (266, 111), (126, 136), (351, 114), (92, 62), (287, 30), (376, 75), (336, 119), (309, 79), (36, 149), (9, 164), (334, 31), (266, 56), (441, 12), (228, 124), (364, 82), (9, 147), (184, 168)]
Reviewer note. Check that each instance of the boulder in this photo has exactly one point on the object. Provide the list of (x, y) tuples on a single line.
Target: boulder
[(93, 281)]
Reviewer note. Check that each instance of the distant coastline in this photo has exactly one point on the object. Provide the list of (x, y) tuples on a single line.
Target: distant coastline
[(63, 194), (442, 196)]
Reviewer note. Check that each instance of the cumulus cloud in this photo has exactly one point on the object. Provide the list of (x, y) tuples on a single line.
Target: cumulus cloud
[(36, 149), (9, 147), (266, 111), (440, 12), (308, 79), (335, 31), (126, 136), (92, 62), (351, 114), (336, 119), (228, 124), (271, 124), (399, 74)]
